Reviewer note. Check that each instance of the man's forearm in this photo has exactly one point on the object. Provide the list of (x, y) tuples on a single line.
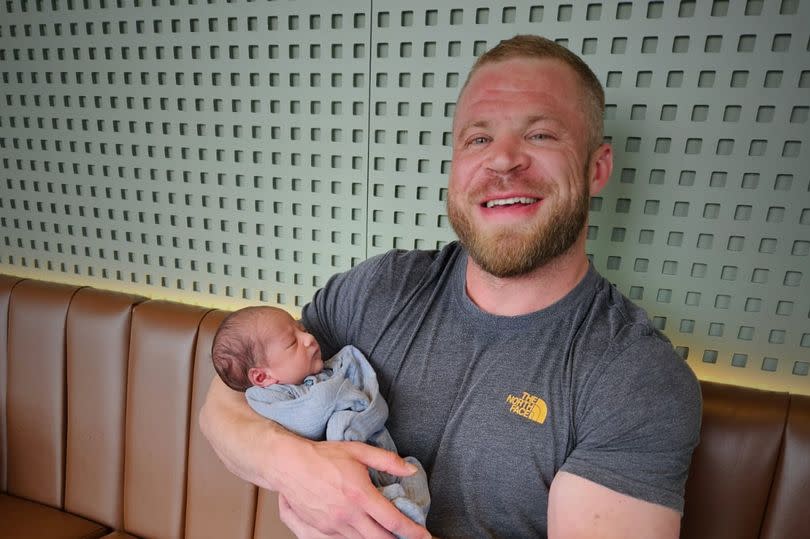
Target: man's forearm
[(326, 485), (240, 437)]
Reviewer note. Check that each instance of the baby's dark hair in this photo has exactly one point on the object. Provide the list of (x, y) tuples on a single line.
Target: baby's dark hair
[(234, 352)]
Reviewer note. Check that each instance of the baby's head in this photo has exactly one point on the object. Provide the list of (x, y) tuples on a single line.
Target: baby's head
[(261, 346)]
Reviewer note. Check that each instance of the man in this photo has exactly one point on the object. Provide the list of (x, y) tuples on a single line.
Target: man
[(539, 399)]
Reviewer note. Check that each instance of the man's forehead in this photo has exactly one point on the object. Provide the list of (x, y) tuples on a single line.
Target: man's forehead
[(517, 79)]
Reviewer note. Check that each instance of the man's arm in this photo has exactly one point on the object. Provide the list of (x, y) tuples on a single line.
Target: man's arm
[(326, 484), (579, 508)]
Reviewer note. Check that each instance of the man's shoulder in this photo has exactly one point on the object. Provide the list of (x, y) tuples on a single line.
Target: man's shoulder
[(406, 266), (620, 317), (353, 306), (618, 329), (400, 258)]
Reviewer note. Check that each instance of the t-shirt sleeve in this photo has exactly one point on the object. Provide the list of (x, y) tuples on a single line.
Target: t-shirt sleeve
[(638, 423), (334, 311)]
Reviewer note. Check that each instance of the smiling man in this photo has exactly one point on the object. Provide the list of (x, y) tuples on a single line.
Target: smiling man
[(521, 149), (540, 400)]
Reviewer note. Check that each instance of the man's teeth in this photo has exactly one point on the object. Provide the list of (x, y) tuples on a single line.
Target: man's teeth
[(510, 201)]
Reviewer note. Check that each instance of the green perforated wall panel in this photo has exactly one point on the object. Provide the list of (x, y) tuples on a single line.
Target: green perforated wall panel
[(228, 153)]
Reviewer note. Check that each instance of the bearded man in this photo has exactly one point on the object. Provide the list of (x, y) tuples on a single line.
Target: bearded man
[(539, 399)]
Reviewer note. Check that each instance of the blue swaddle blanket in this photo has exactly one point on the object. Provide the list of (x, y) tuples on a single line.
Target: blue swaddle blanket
[(343, 403)]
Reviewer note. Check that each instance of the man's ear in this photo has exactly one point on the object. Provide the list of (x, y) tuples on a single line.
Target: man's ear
[(260, 376), (601, 166)]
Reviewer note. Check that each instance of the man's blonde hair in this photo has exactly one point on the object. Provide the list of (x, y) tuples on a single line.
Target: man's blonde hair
[(531, 46)]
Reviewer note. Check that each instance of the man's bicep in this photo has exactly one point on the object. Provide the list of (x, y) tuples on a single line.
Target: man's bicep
[(579, 508), (639, 428)]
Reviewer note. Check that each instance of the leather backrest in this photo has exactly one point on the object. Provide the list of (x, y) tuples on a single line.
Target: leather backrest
[(219, 503), (36, 390), (161, 355), (787, 514), (7, 283), (732, 467), (130, 382), (98, 328)]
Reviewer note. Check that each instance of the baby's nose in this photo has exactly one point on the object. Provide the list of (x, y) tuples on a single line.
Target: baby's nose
[(307, 339)]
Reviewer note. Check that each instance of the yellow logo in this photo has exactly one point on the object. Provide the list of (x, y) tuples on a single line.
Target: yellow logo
[(529, 406)]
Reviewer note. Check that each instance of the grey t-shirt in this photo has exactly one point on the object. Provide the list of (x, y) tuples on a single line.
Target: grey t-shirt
[(495, 406)]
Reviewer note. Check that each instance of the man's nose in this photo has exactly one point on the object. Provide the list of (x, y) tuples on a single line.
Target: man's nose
[(506, 154)]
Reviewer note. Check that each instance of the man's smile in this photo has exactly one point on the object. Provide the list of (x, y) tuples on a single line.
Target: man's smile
[(511, 201)]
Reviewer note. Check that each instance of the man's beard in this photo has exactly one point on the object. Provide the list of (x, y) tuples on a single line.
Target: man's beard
[(514, 251)]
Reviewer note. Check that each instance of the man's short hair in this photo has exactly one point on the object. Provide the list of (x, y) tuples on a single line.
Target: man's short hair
[(531, 46)]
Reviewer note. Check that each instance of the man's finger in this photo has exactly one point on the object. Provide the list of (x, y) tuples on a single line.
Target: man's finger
[(392, 519), (368, 528), (364, 528), (380, 459)]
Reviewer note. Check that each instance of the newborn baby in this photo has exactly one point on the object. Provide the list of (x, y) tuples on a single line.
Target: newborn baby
[(266, 353)]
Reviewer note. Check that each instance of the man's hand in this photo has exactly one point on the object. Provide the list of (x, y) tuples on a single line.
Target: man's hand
[(325, 491), (325, 486)]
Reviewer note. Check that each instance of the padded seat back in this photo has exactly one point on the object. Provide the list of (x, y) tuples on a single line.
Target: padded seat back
[(787, 515), (98, 327), (219, 504), (36, 391), (161, 358), (7, 284), (99, 400), (734, 464), (102, 392)]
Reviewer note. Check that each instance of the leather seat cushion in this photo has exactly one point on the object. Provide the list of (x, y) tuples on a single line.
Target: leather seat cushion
[(23, 519)]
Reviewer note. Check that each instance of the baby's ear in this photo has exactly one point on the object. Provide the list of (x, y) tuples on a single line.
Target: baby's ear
[(260, 376)]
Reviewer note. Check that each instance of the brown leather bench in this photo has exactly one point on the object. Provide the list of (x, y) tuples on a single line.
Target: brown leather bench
[(99, 396)]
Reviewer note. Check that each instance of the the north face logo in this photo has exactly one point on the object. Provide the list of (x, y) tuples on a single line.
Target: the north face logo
[(529, 406)]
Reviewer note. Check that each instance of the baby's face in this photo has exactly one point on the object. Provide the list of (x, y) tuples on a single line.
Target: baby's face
[(290, 352)]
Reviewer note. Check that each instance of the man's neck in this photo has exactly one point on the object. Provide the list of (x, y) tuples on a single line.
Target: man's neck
[(514, 296)]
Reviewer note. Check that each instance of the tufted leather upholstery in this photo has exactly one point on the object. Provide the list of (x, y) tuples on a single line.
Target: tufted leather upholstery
[(99, 394), (36, 390), (99, 397), (730, 481), (212, 490), (97, 337)]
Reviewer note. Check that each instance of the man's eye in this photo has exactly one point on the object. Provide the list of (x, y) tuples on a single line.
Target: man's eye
[(479, 140)]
